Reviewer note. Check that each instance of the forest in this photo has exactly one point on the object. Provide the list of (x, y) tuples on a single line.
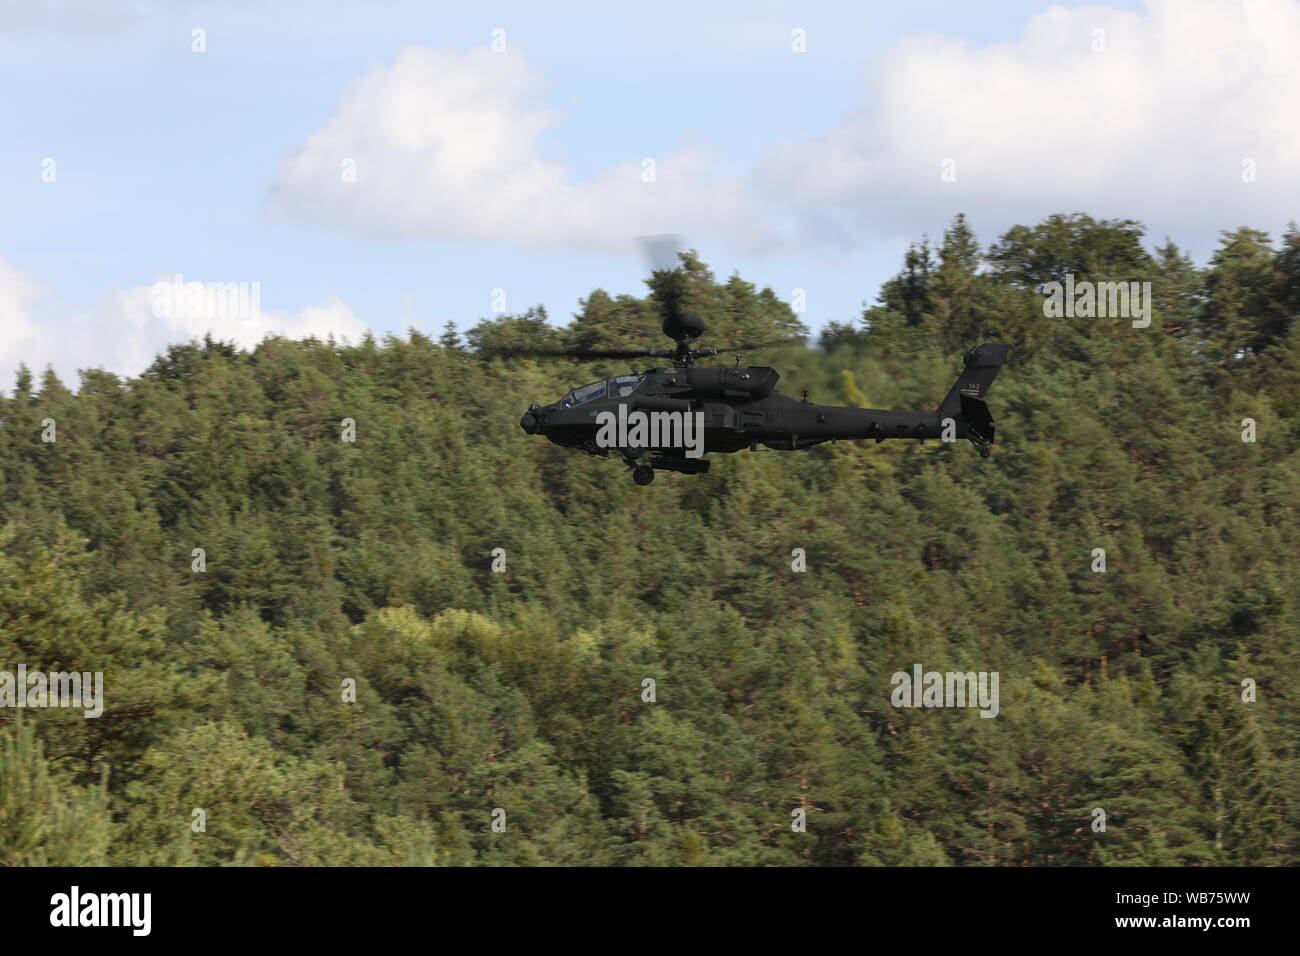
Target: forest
[(428, 641)]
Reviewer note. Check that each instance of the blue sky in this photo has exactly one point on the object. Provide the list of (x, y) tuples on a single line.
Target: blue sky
[(807, 170)]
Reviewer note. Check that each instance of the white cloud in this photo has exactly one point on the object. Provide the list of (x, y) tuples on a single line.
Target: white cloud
[(74, 16), (124, 335), (446, 146), (1150, 116), (19, 332), (1156, 125), (22, 14)]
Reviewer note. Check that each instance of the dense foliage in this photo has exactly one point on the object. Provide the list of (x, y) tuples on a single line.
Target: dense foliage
[(372, 561)]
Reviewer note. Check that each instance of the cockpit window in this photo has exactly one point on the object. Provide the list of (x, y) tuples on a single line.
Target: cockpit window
[(624, 385), (584, 394)]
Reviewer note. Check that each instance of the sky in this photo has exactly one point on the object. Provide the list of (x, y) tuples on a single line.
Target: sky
[(385, 165)]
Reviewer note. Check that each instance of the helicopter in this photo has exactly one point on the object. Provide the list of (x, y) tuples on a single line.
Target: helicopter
[(677, 413)]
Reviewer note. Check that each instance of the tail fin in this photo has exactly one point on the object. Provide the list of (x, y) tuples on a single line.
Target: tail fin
[(982, 364)]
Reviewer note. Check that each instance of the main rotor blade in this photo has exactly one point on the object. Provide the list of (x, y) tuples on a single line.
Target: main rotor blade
[(580, 354), (575, 353), (661, 251), (667, 281), (752, 347)]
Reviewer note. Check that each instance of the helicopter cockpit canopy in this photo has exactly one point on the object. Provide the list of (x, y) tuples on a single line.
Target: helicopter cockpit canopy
[(624, 385), (613, 387)]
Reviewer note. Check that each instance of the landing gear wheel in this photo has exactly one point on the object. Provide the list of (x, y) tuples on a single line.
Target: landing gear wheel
[(984, 451), (632, 454), (643, 474)]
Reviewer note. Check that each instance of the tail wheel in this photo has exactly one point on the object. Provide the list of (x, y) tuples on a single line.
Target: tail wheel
[(643, 474)]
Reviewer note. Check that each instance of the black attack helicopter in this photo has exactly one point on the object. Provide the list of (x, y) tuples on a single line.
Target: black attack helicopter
[(737, 407)]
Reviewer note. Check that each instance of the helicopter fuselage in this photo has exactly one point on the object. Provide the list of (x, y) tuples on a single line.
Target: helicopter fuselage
[(738, 408), (680, 412)]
